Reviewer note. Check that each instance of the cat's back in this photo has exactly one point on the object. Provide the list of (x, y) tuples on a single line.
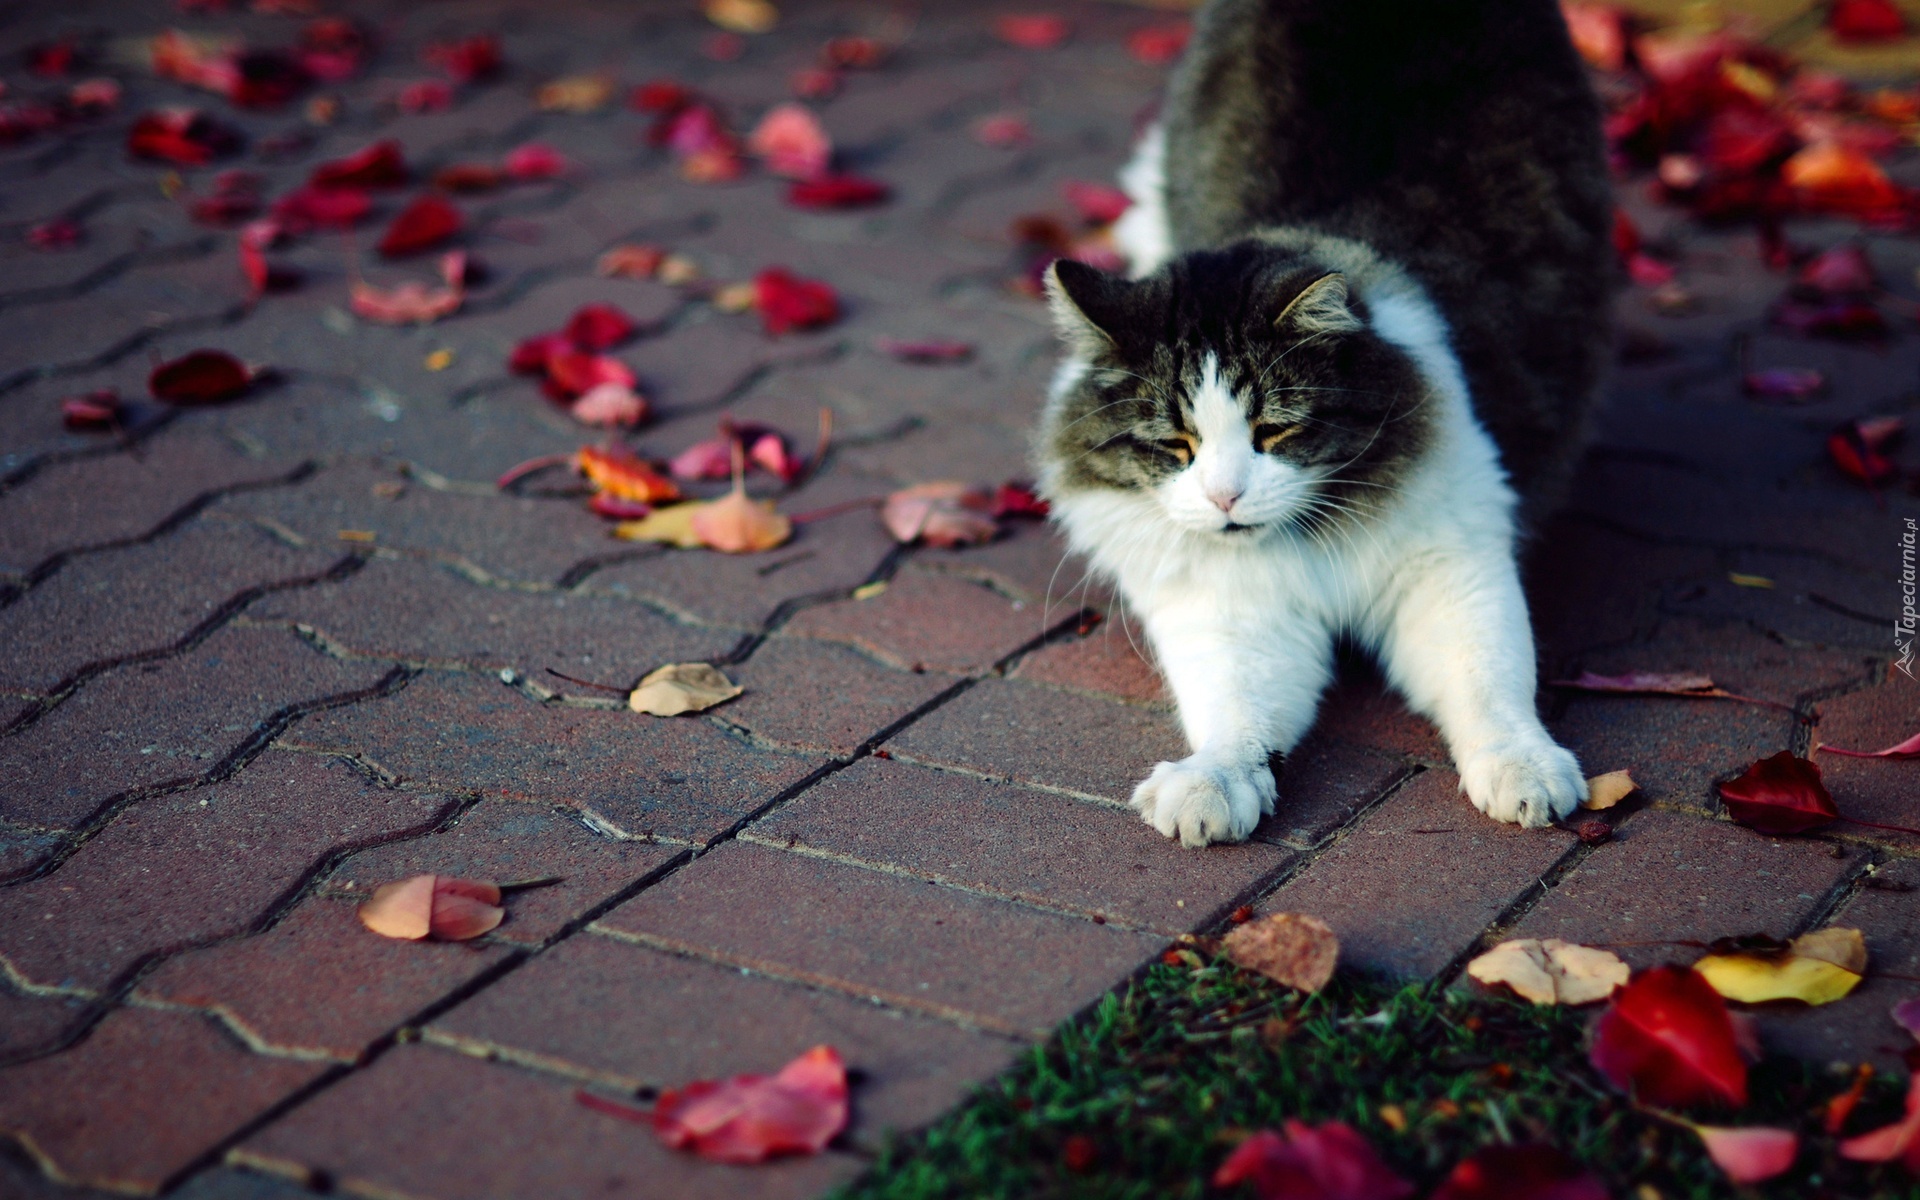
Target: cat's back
[(1457, 138)]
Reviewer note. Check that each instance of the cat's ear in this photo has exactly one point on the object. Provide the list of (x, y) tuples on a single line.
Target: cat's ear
[(1089, 306), (1321, 307)]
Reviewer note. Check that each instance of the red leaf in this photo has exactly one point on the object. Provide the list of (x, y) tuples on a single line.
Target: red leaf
[(692, 131), (618, 472), (94, 411), (770, 452), (1524, 1172), (1905, 750), (1097, 203), (615, 508), (1327, 1162), (181, 135), (1003, 131), (837, 191), (1667, 1038), (535, 161), (467, 61), (934, 351), (423, 225), (855, 53), (947, 514), (1033, 31), (202, 377), (751, 1118), (322, 208), (425, 96), (377, 166), (791, 143), (1784, 383), (712, 459), (1648, 271), (468, 177), (1018, 500), (1780, 795), (332, 49), (531, 356), (1856, 447), (253, 264), (1752, 1154), (1158, 45), (787, 302), (660, 96), (61, 233), (1865, 20), (1900, 1140), (815, 83), (1841, 271), (598, 327), (574, 373)]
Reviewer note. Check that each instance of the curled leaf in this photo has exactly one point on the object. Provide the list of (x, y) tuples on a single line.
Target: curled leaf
[(1292, 949), (202, 377), (1908, 749), (1308, 1162), (1750, 1155), (1550, 971), (682, 688), (1780, 795), (572, 373), (1605, 791), (1815, 968), (1668, 1038), (442, 906), (946, 513)]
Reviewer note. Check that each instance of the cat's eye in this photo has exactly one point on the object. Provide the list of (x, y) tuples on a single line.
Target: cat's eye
[(1266, 437), (1181, 446)]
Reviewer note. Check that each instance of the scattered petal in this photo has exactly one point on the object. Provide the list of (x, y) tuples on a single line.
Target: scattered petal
[(1550, 971), (1780, 795), (469, 60), (791, 143), (712, 459), (1033, 31), (425, 96), (469, 177), (575, 94), (1292, 949), (61, 233), (1306, 1162), (97, 410), (1899, 1141), (751, 1118), (442, 906), (427, 223), (1605, 791), (682, 688), (531, 356), (309, 208), (202, 377), (1857, 448), (837, 191), (1524, 1172), (940, 514), (1668, 1039), (1814, 968), (788, 302), (1750, 1155), (572, 373), (1003, 131), (932, 351), (181, 135)]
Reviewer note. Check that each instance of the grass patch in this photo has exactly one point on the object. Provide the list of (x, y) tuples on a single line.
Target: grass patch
[(1144, 1095)]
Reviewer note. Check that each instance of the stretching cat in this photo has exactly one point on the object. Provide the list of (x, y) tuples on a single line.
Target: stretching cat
[(1368, 317)]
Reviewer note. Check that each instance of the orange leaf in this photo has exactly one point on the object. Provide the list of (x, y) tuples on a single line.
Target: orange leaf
[(736, 524), (444, 906), (1900, 1140), (615, 469), (1829, 175), (941, 514)]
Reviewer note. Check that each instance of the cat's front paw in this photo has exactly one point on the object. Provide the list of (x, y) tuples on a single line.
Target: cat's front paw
[(1527, 781), (1201, 800)]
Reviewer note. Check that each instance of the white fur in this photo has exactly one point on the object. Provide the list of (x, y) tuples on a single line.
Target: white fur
[(1142, 233), (1243, 622)]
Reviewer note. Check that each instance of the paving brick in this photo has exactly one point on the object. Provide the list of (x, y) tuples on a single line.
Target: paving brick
[(174, 719), (678, 777), (1589, 584), (1039, 735), (385, 1131), (1030, 562), (1106, 662), (194, 866), (1360, 710), (1812, 600), (74, 331), (94, 500), (1032, 846), (29, 1023), (1323, 783), (1667, 878), (1415, 883), (996, 965), (406, 610), (107, 1113), (927, 620), (122, 602), (318, 984), (1860, 1027), (823, 697), (600, 1008), (1872, 789), (21, 850)]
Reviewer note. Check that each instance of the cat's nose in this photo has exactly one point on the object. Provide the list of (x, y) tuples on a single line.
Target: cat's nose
[(1223, 499)]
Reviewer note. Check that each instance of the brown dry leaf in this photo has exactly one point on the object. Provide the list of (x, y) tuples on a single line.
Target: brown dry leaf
[(1292, 949), (946, 513), (1550, 971), (682, 688), (672, 526), (1605, 791), (574, 94), (443, 906), (1816, 968)]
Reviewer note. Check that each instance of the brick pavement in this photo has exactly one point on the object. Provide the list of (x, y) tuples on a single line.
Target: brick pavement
[(223, 722)]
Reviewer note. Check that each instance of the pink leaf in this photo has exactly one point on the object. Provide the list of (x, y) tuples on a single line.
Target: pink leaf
[(1033, 31), (535, 161), (704, 460), (751, 1118), (788, 302), (1905, 750), (789, 139), (599, 327), (1326, 1162), (380, 165), (1158, 45), (1750, 1155), (945, 514), (1898, 1141), (610, 405), (1906, 1013), (414, 303), (1097, 203)]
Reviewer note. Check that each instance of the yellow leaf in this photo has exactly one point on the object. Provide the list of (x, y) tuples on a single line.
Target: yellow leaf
[(575, 94), (1550, 971), (868, 591), (741, 16), (439, 360), (735, 524), (1753, 979), (672, 525), (682, 688), (1748, 581), (1605, 791)]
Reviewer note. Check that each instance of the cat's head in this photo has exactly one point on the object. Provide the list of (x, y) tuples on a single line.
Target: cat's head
[(1243, 389)]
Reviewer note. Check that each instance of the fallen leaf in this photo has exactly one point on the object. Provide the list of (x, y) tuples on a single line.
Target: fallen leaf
[(1752, 1154), (605, 504), (1865, 21), (1843, 271), (201, 377), (1158, 45), (1781, 795), (535, 161), (751, 1118), (413, 303), (1525, 1172), (1857, 446), (671, 526), (531, 356), (1599, 34), (1032, 31), (469, 178), (1306, 1162), (1292, 949), (1814, 968), (181, 135), (1905, 750), (741, 16), (788, 302), (619, 472), (1899, 1141), (1003, 131), (1841, 1106), (1668, 1039), (308, 208), (442, 906), (597, 327), (946, 514), (1738, 579), (930, 351), (1605, 791), (682, 688), (423, 225), (97, 410), (574, 94), (61, 233), (735, 524), (1018, 500), (469, 60), (1907, 1014), (735, 297), (573, 373), (790, 141), (1784, 383), (425, 96), (1551, 971), (631, 261), (1644, 683), (837, 191), (1831, 177), (610, 405), (380, 165), (1097, 203)]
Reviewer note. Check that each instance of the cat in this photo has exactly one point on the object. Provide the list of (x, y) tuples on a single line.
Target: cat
[(1354, 361)]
